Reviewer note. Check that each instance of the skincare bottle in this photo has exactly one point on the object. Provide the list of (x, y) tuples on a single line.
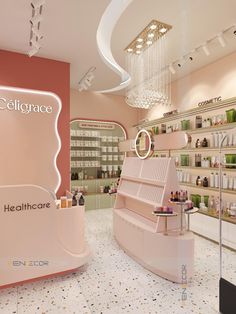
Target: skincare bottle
[(204, 142), (205, 182), (212, 180), (198, 180), (225, 181), (74, 200), (216, 180), (81, 200), (198, 144)]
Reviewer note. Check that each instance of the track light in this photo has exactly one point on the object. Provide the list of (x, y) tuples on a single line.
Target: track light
[(35, 44), (221, 40), (37, 33), (37, 3), (36, 19), (32, 52), (171, 69), (86, 80), (206, 50)]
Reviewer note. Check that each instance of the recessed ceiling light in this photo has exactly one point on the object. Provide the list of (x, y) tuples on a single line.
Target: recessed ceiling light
[(163, 30), (129, 49), (153, 26), (151, 35), (140, 40), (149, 42), (139, 46), (138, 52)]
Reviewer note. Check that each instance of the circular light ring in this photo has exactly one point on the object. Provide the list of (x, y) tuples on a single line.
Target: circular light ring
[(150, 144)]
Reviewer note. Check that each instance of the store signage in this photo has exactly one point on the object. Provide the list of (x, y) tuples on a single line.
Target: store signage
[(25, 206), (170, 113), (209, 101), (96, 125), (17, 105)]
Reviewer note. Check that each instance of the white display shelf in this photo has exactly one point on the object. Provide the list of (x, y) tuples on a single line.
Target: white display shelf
[(220, 127), (202, 149), (205, 168), (206, 188)]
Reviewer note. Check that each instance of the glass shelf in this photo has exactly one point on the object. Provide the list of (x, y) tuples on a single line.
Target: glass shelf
[(203, 168), (206, 188), (202, 149), (230, 219)]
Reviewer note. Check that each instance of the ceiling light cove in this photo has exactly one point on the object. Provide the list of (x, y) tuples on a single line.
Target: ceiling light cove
[(104, 32)]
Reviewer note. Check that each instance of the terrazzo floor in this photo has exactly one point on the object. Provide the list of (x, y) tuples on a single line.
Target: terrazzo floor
[(113, 283)]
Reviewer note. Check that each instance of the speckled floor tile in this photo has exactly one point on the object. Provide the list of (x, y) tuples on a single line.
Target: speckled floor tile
[(113, 283), (8, 301)]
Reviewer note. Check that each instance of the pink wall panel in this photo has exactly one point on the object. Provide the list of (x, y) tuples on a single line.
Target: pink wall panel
[(19, 70)]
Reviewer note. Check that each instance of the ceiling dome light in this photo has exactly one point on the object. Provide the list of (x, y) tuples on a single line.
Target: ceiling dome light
[(138, 52), (140, 40), (129, 49), (163, 30), (149, 42), (139, 46), (151, 35)]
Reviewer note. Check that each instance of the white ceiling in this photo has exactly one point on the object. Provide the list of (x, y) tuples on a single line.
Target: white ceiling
[(69, 29)]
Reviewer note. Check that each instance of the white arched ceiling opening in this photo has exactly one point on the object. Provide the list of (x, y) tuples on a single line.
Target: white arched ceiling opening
[(104, 33)]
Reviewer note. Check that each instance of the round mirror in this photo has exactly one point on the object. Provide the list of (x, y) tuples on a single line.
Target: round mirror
[(144, 144)]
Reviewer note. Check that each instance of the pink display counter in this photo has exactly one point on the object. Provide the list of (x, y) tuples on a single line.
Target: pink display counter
[(37, 239)]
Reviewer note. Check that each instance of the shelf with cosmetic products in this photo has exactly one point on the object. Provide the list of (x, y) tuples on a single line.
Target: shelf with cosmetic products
[(96, 161), (199, 160)]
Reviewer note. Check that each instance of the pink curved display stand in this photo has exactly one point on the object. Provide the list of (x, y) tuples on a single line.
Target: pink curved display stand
[(144, 185), (39, 239)]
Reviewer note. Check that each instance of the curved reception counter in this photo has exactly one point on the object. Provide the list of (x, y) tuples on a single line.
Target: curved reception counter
[(37, 238)]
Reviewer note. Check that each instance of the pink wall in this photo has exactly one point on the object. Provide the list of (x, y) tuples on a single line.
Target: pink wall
[(215, 79), (89, 105), (19, 70)]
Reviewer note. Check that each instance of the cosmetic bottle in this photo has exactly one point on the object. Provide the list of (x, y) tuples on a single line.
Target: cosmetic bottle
[(211, 204), (74, 200), (216, 139), (198, 143), (205, 182), (81, 200), (72, 176), (204, 142), (225, 181), (198, 180), (197, 160), (216, 180), (198, 122), (212, 180)]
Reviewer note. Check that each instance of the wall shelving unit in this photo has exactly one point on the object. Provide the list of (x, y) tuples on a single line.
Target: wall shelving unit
[(218, 111), (95, 159)]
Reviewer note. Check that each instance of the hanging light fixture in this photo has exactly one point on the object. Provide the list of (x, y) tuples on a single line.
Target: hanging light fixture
[(148, 68)]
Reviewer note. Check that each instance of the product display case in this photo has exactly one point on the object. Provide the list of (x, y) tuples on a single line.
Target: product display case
[(96, 162), (198, 163)]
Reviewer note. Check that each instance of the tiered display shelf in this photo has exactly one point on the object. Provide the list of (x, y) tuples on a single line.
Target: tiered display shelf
[(145, 185)]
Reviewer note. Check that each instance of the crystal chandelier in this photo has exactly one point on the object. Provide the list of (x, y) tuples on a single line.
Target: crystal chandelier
[(147, 66)]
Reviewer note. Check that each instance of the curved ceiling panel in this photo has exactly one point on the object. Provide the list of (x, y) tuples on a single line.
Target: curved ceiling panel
[(104, 32)]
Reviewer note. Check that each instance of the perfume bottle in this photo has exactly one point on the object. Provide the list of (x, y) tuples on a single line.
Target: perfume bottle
[(198, 143)]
